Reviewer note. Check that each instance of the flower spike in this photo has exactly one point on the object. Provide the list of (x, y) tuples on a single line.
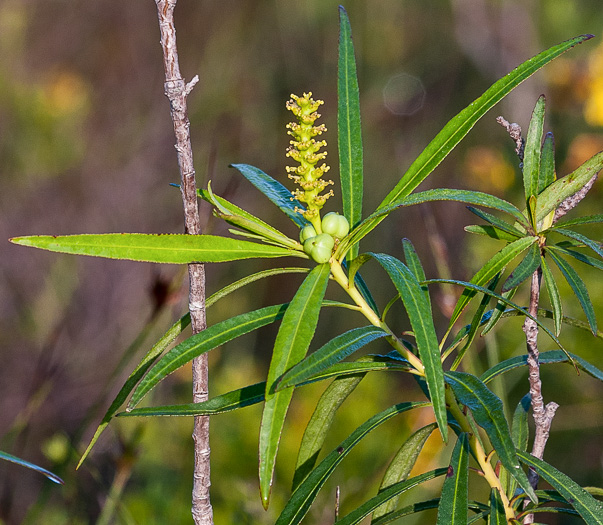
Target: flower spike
[(305, 150)]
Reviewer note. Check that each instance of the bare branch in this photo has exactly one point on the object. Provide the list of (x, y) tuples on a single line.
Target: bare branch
[(514, 131), (177, 91), (572, 202)]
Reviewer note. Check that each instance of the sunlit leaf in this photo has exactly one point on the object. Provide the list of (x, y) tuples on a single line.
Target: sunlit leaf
[(490, 231), (497, 509), (275, 191), (414, 264), (332, 352), (547, 163), (164, 248), (14, 459), (421, 321), (585, 219), (349, 133), (205, 341), (290, 347), (300, 501), (401, 465), (455, 491), (498, 223), (487, 410), (520, 433), (427, 505), (532, 151), (588, 507), (578, 287)]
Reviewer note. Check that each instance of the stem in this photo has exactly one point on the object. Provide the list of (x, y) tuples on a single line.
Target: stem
[(342, 279), (177, 92)]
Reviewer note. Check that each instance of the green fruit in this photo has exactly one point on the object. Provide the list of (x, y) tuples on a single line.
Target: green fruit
[(320, 247), (307, 232), (335, 225)]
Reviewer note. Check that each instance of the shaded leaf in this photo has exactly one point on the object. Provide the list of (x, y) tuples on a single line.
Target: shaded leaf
[(475, 506), (349, 133), (292, 342), (554, 296), (588, 507), (578, 287), (14, 459), (421, 321), (414, 265), (498, 223), (529, 264), (163, 248), (585, 219), (453, 503), (490, 231), (487, 410), (520, 433), (498, 311), (582, 257), (547, 163), (301, 500), (497, 509), (593, 245), (275, 191), (401, 465)]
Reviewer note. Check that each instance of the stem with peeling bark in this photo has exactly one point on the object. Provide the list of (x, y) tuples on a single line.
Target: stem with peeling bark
[(177, 92)]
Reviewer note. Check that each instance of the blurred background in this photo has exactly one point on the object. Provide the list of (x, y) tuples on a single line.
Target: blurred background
[(86, 146)]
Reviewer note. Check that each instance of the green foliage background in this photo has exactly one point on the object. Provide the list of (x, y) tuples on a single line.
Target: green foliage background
[(86, 146)]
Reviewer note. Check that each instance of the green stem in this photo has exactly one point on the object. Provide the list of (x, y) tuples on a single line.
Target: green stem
[(342, 279)]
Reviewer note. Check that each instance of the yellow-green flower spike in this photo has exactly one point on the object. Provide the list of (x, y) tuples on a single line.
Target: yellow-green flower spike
[(305, 149)]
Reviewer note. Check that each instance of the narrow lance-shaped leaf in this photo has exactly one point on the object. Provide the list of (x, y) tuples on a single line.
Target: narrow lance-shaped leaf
[(349, 132), (292, 341), (520, 433), (356, 516), (593, 245), (334, 351), (300, 501), (421, 321), (317, 428), (579, 288), (585, 219), (275, 191), (497, 510), (414, 264), (489, 270), (588, 507), (579, 256), (529, 264), (401, 465), (554, 296), (14, 459), (561, 189), (533, 148), (164, 248), (547, 163), (498, 223), (455, 491), (487, 410), (490, 231), (459, 126), (205, 341)]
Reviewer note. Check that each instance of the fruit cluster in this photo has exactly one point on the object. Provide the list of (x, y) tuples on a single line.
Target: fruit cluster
[(319, 246)]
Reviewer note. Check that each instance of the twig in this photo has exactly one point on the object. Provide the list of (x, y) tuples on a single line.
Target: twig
[(177, 91), (572, 202), (514, 131)]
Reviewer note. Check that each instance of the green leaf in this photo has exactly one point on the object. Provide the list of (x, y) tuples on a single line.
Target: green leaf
[(554, 296), (561, 189), (163, 248), (334, 351), (498, 223), (547, 163), (520, 433), (579, 288), (14, 459), (585, 219), (318, 427), (593, 245), (240, 398), (401, 465), (292, 342), (414, 264), (497, 510), (275, 191), (301, 500), (427, 505), (354, 275), (490, 231), (356, 516), (349, 133), (453, 503), (533, 148), (498, 311), (487, 272), (588, 507), (205, 341), (524, 270), (421, 321), (582, 257), (487, 410), (441, 194), (553, 356), (164, 342)]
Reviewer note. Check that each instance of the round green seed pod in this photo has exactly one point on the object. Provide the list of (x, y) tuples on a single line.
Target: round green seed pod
[(320, 247), (307, 232), (335, 225)]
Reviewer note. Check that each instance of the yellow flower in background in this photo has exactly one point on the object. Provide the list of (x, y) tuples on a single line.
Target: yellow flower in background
[(487, 170), (593, 108)]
